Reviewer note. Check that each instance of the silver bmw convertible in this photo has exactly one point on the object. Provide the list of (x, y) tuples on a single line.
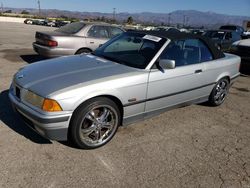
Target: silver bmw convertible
[(85, 98)]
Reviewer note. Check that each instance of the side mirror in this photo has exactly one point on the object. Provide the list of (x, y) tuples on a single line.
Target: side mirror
[(167, 64)]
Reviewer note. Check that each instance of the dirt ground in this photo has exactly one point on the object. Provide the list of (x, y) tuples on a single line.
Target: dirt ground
[(195, 146)]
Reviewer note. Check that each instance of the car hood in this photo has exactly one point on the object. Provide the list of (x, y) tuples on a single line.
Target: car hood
[(49, 76), (245, 42)]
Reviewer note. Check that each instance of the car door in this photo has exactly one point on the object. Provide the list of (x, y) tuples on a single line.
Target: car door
[(184, 83), (96, 36)]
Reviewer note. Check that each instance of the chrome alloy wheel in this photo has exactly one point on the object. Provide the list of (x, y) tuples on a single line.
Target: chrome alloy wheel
[(98, 125), (221, 91)]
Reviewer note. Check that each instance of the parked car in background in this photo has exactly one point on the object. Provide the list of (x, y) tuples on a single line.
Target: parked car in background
[(133, 76), (246, 34), (242, 49), (171, 29), (223, 39), (74, 38), (28, 21), (51, 23), (235, 28), (39, 22), (197, 31), (59, 23)]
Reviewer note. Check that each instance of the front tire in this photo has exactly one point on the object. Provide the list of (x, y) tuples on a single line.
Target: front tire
[(219, 92), (94, 123)]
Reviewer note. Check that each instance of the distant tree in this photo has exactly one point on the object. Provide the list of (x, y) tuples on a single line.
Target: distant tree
[(25, 12), (64, 17), (103, 19), (130, 20), (8, 11)]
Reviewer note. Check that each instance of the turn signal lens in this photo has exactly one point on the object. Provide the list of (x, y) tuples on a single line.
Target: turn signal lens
[(50, 105)]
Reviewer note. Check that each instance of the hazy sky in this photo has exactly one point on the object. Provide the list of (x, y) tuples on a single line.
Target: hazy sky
[(232, 7)]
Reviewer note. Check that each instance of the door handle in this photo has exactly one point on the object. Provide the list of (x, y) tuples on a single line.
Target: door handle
[(198, 71), (92, 42)]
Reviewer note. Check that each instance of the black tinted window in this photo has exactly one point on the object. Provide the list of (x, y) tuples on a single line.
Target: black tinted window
[(187, 52), (206, 54), (98, 32), (228, 27)]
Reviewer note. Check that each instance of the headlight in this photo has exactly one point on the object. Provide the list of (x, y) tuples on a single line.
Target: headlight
[(48, 105), (32, 98)]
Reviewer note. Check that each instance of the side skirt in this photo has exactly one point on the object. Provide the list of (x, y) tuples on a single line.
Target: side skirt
[(147, 115)]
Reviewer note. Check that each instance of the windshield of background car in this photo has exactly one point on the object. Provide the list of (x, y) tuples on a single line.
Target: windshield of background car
[(218, 35), (228, 27), (71, 28), (215, 34), (131, 49)]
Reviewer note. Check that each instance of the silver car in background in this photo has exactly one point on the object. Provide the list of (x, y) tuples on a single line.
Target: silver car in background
[(74, 38), (133, 76)]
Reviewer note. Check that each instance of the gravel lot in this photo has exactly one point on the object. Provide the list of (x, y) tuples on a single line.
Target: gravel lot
[(195, 146)]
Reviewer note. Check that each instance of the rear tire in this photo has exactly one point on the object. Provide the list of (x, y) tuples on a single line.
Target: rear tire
[(83, 51), (94, 123), (219, 92)]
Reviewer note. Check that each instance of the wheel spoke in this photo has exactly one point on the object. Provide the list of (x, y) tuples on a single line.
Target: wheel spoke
[(107, 125), (98, 135), (217, 96), (104, 115), (91, 116), (88, 130), (223, 85)]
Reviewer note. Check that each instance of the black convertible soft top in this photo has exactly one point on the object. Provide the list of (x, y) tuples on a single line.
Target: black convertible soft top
[(173, 35)]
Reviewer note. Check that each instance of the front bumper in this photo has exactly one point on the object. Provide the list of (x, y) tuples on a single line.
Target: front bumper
[(53, 127)]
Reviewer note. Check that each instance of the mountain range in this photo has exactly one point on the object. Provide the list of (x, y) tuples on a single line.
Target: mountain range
[(192, 18)]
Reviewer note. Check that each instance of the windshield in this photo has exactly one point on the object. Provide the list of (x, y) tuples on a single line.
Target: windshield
[(131, 49), (71, 28)]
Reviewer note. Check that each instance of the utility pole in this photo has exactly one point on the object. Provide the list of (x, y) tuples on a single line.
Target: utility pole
[(39, 7), (169, 19), (184, 20), (187, 20), (114, 14), (2, 7)]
